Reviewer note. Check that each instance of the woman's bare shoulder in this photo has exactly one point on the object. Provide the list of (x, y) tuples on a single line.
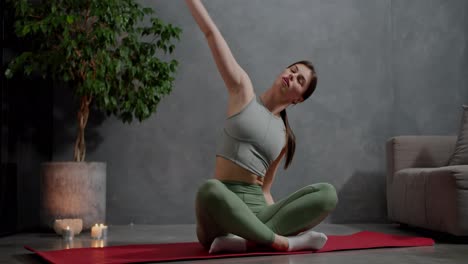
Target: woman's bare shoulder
[(239, 101)]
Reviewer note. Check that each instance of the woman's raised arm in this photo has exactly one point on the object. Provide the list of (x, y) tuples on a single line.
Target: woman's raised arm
[(235, 78)]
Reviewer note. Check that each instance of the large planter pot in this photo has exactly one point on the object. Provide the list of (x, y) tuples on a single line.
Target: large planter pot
[(73, 190)]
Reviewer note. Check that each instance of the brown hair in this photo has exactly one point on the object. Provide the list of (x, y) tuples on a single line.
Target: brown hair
[(291, 145)]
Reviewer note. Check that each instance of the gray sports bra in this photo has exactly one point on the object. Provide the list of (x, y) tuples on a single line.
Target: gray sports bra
[(252, 138)]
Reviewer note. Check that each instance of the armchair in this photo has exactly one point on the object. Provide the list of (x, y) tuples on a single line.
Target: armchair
[(422, 190)]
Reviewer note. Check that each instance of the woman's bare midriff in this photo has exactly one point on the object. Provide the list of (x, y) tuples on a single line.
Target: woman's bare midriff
[(226, 170)]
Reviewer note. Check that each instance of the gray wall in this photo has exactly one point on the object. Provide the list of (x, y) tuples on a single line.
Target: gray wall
[(385, 68)]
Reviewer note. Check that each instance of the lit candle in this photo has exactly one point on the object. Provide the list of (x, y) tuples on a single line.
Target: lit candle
[(67, 234), (96, 232), (103, 231)]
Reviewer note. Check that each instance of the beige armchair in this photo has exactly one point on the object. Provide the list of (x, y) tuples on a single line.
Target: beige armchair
[(422, 190)]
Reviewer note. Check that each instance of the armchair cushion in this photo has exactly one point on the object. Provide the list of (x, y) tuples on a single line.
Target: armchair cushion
[(434, 198)]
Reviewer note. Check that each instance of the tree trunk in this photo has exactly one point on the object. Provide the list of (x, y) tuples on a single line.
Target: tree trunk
[(83, 113)]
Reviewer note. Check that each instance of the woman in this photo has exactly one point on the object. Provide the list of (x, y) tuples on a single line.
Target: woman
[(235, 210)]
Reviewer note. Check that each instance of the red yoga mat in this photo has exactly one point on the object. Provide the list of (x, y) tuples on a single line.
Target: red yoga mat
[(193, 250)]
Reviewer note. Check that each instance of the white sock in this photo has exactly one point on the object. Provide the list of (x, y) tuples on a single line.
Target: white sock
[(307, 240), (229, 243)]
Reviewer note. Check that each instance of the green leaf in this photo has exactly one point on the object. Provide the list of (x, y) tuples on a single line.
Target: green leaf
[(8, 73), (172, 67), (148, 10), (28, 69), (25, 30), (70, 19)]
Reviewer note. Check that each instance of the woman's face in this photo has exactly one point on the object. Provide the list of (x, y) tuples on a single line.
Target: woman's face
[(293, 82)]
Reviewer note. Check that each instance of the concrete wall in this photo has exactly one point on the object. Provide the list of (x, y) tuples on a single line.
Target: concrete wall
[(385, 67)]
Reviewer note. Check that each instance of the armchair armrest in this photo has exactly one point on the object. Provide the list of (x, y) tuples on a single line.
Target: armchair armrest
[(418, 152)]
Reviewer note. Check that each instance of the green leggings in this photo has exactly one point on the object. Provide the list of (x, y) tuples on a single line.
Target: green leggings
[(237, 208)]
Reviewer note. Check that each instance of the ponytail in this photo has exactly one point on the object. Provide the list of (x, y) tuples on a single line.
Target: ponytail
[(291, 144)]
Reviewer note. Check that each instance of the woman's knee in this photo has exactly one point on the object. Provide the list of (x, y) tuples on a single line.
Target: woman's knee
[(210, 191), (328, 195)]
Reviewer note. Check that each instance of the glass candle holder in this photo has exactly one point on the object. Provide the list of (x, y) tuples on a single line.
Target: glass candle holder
[(67, 234), (103, 231)]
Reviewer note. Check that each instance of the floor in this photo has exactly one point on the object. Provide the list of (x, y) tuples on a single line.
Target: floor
[(446, 250)]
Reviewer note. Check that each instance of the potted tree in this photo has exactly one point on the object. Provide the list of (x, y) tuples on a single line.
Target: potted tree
[(107, 52)]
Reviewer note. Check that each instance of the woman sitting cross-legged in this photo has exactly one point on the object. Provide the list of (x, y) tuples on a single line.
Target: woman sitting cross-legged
[(235, 209)]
